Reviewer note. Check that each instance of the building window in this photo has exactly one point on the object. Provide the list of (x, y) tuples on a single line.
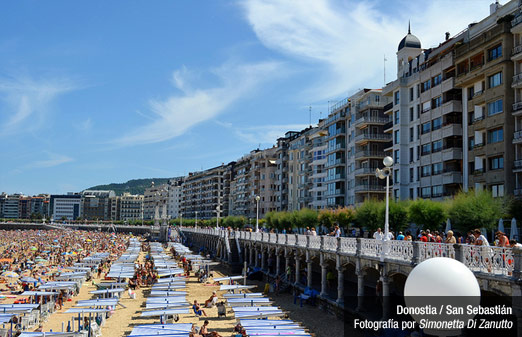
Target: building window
[(497, 190), (436, 169), (437, 80), (396, 97), (411, 155), (418, 131), (495, 80), (426, 127), (397, 117), (396, 154), (411, 94), (397, 137), (436, 123), (396, 176), (426, 192), (436, 191), (411, 193), (411, 135), (426, 85), (426, 171), (495, 136), (496, 163), (437, 146), (495, 107), (495, 52), (426, 149), (411, 114), (412, 176), (436, 102)]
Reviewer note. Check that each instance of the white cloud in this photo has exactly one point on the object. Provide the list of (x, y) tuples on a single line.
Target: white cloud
[(52, 160), (346, 40), (266, 134), (26, 102), (176, 114), (85, 125)]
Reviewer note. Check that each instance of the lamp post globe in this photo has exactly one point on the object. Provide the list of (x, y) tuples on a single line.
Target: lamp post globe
[(388, 161)]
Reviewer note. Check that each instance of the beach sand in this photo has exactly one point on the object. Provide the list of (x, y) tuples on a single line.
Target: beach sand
[(123, 320)]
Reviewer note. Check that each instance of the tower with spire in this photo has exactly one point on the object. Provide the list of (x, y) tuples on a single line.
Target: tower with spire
[(409, 48)]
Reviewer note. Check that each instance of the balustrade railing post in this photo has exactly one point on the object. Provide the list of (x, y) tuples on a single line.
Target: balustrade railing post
[(459, 253), (416, 259), (322, 243), (296, 243), (358, 247), (517, 268), (286, 239), (338, 245), (308, 241)]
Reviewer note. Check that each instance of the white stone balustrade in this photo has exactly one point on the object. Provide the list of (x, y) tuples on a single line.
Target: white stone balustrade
[(489, 260)]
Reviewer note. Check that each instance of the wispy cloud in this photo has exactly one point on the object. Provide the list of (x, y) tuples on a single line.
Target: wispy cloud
[(85, 125), (176, 114), (26, 101), (52, 160), (266, 134), (346, 40)]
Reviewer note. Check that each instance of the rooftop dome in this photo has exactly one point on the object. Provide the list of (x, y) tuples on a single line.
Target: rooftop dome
[(410, 40)]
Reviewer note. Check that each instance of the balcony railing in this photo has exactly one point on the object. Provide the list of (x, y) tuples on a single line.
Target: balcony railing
[(371, 119), (517, 79), (363, 154), (365, 170), (373, 136), (516, 20), (517, 106), (516, 50), (517, 137), (369, 188), (517, 164)]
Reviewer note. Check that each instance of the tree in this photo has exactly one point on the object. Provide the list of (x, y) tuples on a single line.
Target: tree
[(369, 215), (326, 218), (307, 218), (398, 216), (427, 213), (475, 210), (344, 216)]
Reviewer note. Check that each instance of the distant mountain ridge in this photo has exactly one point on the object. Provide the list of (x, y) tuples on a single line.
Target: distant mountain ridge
[(134, 186)]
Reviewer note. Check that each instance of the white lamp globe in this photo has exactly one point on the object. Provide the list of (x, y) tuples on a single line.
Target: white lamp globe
[(441, 282), (387, 161)]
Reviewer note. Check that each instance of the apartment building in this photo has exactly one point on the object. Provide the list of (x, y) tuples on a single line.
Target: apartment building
[(317, 152), (10, 205), (155, 199), (484, 72), (283, 144), (516, 57), (68, 206), (24, 207), (175, 197), (366, 142), (335, 153), (263, 181), (131, 207), (95, 204), (300, 170), (241, 187), (207, 192)]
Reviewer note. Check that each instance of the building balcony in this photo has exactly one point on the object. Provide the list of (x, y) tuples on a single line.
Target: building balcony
[(338, 176), (448, 84), (517, 166), (517, 109), (377, 137), (517, 81), (515, 23), (369, 154), (452, 153), (516, 54), (452, 178), (517, 137), (366, 120), (335, 192), (365, 171), (362, 188)]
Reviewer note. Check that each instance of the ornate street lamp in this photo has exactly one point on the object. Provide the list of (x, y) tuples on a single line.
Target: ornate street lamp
[(385, 174), (257, 212)]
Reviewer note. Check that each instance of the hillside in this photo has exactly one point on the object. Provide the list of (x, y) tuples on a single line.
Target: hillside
[(134, 186)]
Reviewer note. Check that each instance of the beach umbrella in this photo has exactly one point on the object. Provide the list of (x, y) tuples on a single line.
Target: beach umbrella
[(28, 279), (448, 226), (10, 274), (514, 230), (501, 225), (34, 248)]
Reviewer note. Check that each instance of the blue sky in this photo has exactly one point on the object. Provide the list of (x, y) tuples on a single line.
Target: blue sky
[(95, 92)]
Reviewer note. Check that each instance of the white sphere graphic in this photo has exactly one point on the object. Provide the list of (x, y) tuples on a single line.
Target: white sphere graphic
[(441, 276), (445, 283)]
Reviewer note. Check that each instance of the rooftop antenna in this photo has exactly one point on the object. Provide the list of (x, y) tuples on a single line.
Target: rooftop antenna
[(409, 27), (310, 114), (385, 69)]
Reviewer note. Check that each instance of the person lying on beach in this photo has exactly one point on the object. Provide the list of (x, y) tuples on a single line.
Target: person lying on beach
[(205, 333)]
